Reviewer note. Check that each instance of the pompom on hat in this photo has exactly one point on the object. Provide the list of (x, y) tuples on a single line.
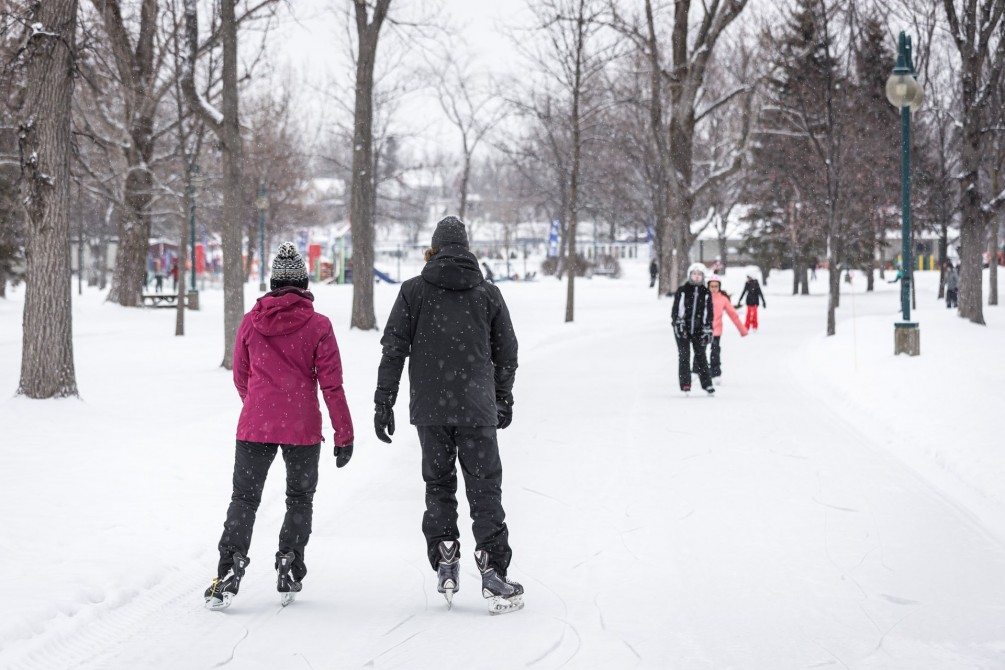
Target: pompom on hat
[(288, 267), (449, 231)]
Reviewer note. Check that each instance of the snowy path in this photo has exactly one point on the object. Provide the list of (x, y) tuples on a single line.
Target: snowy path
[(766, 527)]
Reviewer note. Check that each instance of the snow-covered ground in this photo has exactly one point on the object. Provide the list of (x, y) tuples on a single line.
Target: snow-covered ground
[(833, 506)]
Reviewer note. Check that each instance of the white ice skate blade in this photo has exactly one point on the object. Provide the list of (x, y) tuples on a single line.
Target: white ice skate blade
[(501, 605), (449, 595), (287, 598), (219, 603)]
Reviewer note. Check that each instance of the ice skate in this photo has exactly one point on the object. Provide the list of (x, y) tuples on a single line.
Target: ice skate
[(503, 595), (223, 589), (448, 571), (710, 390), (287, 586)]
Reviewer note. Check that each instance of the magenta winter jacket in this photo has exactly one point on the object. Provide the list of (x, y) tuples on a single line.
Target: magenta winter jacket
[(284, 350)]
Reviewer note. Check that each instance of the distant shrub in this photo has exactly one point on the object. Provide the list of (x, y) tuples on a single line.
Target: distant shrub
[(583, 267)]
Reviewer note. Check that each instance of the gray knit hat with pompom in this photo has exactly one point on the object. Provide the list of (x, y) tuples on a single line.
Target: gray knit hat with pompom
[(288, 265)]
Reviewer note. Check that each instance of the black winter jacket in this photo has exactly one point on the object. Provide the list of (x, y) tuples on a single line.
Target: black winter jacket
[(692, 306), (456, 330), (752, 289)]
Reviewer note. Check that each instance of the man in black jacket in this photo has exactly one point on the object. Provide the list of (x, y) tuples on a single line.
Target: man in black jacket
[(456, 331), (692, 327)]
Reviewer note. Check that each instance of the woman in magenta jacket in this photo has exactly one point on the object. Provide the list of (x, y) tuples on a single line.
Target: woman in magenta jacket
[(283, 352), (720, 303)]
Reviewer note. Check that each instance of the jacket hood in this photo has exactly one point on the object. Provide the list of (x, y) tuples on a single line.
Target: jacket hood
[(454, 268), (282, 311)]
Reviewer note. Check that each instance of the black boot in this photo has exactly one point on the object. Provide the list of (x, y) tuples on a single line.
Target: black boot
[(287, 586), (448, 571), (503, 595), (223, 589)]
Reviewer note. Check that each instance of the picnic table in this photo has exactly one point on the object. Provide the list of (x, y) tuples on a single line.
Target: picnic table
[(159, 299)]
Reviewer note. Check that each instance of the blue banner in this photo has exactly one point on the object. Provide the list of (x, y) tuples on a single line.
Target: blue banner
[(553, 239)]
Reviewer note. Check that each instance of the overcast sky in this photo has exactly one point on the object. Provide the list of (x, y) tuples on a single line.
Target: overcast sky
[(309, 47)]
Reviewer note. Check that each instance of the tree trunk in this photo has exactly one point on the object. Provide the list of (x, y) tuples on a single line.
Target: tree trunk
[(226, 127), (465, 177), (994, 226), (130, 272), (577, 142), (44, 133), (362, 198), (135, 60), (834, 290), (971, 224), (249, 250), (233, 158)]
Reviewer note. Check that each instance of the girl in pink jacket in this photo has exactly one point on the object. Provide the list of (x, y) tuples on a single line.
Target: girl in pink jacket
[(283, 353), (720, 303)]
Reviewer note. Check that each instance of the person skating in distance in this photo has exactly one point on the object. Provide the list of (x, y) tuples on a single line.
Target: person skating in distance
[(691, 317)]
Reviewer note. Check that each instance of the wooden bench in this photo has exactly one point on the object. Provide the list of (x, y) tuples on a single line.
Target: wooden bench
[(159, 299)]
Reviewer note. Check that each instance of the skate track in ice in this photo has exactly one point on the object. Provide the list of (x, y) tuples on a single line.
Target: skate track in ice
[(811, 514)]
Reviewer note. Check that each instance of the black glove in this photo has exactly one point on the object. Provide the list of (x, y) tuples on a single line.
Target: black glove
[(383, 420), (680, 330), (706, 337), (342, 455), (504, 412)]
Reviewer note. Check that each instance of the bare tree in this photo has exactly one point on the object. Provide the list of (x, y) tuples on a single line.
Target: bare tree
[(468, 105), (361, 205), (676, 81), (976, 28), (226, 127), (44, 133), (138, 63), (806, 104), (574, 60)]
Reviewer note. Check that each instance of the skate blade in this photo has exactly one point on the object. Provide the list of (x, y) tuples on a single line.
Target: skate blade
[(449, 595), (501, 605), (214, 603), (287, 598)]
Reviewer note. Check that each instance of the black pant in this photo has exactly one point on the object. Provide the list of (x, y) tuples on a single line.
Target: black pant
[(478, 452), (251, 466), (951, 297), (684, 362), (715, 364)]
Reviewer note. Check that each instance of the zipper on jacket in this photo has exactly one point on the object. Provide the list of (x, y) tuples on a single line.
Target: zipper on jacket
[(695, 310)]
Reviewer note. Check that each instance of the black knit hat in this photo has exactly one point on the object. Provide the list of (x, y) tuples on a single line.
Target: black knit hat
[(449, 231), (288, 268)]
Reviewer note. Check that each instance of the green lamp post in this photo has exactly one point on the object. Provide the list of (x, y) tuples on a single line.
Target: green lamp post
[(904, 93)]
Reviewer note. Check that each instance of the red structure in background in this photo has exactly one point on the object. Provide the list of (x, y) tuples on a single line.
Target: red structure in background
[(313, 255), (200, 258)]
